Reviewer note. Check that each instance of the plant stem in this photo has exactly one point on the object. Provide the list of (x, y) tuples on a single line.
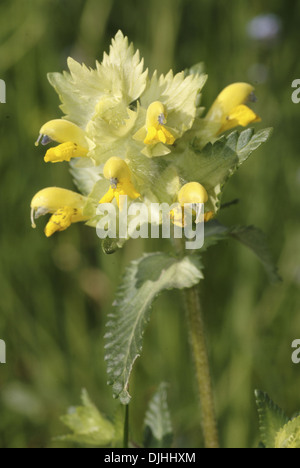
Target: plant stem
[(126, 427), (198, 346)]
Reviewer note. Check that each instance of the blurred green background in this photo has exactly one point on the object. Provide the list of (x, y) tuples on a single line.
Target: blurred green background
[(55, 293)]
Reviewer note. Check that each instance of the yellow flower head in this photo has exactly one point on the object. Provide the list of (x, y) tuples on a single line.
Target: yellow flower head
[(229, 108), (66, 208), (118, 173), (155, 125), (72, 139), (191, 193)]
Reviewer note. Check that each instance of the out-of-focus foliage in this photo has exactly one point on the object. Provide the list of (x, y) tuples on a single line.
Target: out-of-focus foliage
[(56, 293)]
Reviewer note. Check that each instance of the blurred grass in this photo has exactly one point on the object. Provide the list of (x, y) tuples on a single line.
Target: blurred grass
[(55, 293)]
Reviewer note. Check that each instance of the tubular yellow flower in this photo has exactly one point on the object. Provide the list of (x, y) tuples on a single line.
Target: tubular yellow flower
[(118, 173), (229, 108), (65, 152), (191, 193), (72, 139), (65, 206), (61, 131), (156, 119)]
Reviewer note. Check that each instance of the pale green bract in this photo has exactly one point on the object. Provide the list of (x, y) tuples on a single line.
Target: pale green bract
[(88, 425)]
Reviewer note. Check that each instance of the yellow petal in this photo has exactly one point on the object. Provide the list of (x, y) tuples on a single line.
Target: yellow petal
[(161, 136), (177, 217), (109, 196), (128, 188), (65, 152), (155, 112), (151, 136), (116, 168), (208, 216), (193, 192), (61, 130), (170, 139), (231, 97), (240, 115), (60, 220)]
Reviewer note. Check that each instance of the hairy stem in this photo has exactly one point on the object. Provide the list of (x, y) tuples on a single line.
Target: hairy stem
[(126, 427), (198, 346)]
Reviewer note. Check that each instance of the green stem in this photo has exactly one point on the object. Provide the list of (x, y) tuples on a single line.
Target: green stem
[(198, 346), (126, 427)]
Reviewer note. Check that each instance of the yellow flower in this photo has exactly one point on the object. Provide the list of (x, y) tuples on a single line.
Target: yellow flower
[(229, 109), (191, 193), (118, 173), (156, 119), (72, 139), (65, 206)]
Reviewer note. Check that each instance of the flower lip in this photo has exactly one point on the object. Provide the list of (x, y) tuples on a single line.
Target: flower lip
[(156, 120)]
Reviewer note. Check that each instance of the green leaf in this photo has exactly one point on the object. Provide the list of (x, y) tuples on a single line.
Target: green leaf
[(271, 418), (250, 236), (158, 432), (214, 164), (289, 435), (255, 240), (143, 281), (88, 425)]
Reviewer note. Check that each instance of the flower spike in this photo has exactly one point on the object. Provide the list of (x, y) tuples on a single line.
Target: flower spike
[(118, 173)]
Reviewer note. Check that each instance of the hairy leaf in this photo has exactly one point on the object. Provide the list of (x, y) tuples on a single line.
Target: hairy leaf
[(143, 281), (250, 236), (214, 164), (271, 418), (289, 435)]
